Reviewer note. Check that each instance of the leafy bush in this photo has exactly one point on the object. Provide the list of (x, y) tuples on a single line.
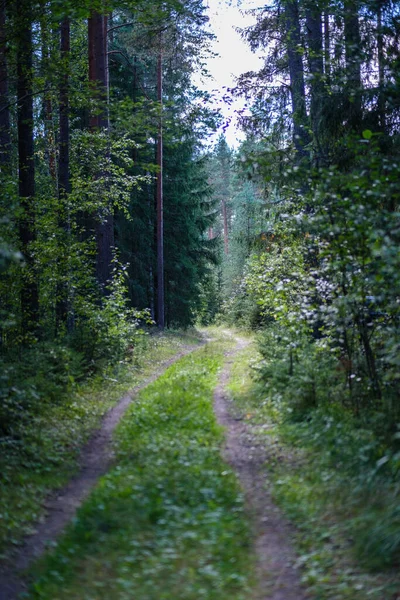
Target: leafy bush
[(242, 310), (297, 372), (48, 371), (46, 374), (106, 333)]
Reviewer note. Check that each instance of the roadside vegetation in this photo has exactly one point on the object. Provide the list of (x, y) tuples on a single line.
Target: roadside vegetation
[(167, 522), (116, 213), (330, 478), (41, 452)]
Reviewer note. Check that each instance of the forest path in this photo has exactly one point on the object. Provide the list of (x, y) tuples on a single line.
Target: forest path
[(96, 459), (277, 576)]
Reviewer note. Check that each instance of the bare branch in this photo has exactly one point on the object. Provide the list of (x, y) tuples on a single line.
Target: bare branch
[(119, 27)]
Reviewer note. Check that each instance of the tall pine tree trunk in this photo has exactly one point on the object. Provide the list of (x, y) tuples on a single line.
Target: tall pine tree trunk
[(381, 70), (160, 201), (296, 73), (104, 227), (353, 63), (316, 67), (225, 224), (5, 139), (49, 133), (26, 168), (327, 48), (64, 183)]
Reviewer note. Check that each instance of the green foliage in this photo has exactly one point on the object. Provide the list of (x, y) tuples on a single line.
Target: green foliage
[(331, 475), (47, 372), (107, 333), (328, 270), (276, 280), (241, 309), (42, 435), (45, 376), (237, 229), (167, 521), (209, 298), (297, 372), (300, 381)]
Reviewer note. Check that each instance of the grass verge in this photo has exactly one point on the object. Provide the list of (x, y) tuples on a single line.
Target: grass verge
[(47, 455), (167, 523), (332, 509)]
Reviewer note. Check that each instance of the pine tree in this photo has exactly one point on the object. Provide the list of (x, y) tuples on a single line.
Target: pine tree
[(26, 169)]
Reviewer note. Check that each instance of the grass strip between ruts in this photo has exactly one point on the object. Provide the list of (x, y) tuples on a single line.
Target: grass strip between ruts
[(167, 522)]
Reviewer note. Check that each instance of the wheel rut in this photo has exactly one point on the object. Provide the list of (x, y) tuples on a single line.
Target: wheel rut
[(61, 506), (277, 575)]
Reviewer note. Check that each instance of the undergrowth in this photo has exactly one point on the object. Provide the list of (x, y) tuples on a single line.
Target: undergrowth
[(40, 453), (167, 522), (332, 477)]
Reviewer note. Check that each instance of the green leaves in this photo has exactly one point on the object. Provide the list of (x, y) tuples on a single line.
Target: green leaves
[(367, 134), (168, 519)]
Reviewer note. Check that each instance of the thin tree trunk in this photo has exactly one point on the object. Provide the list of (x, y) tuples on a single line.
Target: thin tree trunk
[(353, 62), (296, 73), (64, 184), (63, 164), (369, 356), (5, 138), (381, 71), (135, 152), (26, 169), (225, 220), (316, 66), (327, 48), (225, 166), (49, 137), (104, 228), (160, 201)]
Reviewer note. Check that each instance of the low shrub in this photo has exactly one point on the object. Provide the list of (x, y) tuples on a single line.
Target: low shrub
[(297, 371)]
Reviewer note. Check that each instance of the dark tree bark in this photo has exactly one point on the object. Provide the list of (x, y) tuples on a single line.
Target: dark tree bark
[(104, 228), (26, 168), (296, 73), (327, 48), (5, 139), (160, 202), (49, 133), (64, 183), (381, 70), (353, 63), (64, 134), (225, 222), (97, 69), (316, 67)]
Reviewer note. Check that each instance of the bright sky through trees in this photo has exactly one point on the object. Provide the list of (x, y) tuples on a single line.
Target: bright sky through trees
[(234, 55)]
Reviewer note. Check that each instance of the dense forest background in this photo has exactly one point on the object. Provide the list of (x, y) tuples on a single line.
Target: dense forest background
[(115, 212), (105, 201), (312, 252), (309, 202)]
